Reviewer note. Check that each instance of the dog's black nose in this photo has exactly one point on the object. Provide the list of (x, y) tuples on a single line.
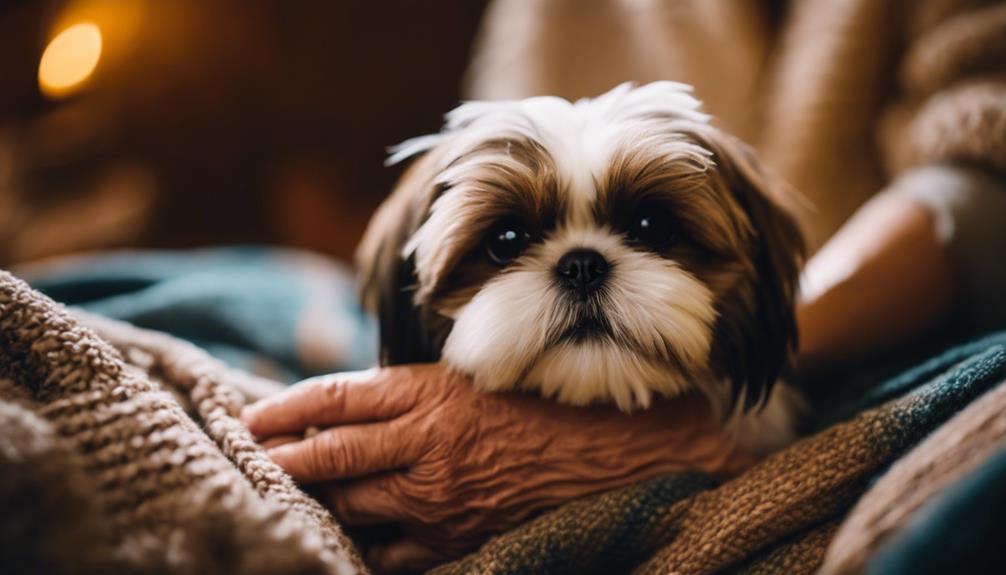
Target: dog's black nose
[(582, 270)]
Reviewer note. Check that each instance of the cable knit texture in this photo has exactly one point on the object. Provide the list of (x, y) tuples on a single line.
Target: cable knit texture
[(131, 460)]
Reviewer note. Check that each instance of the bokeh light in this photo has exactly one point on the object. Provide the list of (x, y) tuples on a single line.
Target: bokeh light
[(69, 60)]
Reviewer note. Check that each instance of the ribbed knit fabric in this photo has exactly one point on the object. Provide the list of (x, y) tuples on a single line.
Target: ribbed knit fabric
[(952, 452), (798, 555), (103, 471)]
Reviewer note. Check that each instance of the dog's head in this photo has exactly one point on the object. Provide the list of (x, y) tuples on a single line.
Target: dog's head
[(598, 250)]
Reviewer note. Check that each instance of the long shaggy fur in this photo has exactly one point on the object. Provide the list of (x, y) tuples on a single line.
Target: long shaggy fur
[(713, 312)]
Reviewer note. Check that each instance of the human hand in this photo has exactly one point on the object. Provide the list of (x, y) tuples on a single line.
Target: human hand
[(417, 446)]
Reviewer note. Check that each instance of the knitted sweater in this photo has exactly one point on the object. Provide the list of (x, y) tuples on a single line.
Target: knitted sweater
[(838, 96)]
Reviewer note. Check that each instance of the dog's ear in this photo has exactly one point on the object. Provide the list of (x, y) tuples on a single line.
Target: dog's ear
[(387, 276), (756, 336)]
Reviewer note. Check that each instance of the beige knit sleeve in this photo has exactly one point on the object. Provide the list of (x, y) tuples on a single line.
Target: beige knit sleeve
[(969, 210), (944, 142), (952, 105)]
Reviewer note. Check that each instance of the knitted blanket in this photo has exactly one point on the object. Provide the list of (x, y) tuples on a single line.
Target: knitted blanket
[(131, 459), (120, 453)]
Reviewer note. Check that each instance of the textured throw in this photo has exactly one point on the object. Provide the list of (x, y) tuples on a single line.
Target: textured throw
[(139, 466), (120, 453), (970, 440)]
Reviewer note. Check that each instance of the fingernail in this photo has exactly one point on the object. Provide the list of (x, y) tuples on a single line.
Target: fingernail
[(277, 452), (248, 415)]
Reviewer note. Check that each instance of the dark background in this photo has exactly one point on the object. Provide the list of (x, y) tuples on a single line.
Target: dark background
[(223, 121)]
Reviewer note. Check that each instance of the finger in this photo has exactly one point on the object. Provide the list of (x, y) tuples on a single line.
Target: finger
[(327, 400), (281, 440), (349, 451), (367, 501), (402, 556)]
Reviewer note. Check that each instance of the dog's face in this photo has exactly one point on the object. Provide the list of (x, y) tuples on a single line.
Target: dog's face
[(601, 250)]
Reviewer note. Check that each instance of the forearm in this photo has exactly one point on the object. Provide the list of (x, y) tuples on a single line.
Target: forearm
[(884, 278), (926, 250)]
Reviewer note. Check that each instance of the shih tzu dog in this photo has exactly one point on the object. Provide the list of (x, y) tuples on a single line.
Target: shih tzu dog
[(599, 251)]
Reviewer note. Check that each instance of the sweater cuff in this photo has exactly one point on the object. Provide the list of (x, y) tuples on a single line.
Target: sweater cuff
[(969, 209)]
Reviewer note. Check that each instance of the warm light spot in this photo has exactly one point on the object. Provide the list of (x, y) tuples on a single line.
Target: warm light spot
[(69, 60)]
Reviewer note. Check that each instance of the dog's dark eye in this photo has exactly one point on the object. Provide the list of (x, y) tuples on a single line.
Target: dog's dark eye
[(652, 226), (507, 240)]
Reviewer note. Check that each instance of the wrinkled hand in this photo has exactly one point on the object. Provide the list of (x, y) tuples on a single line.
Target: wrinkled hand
[(418, 447)]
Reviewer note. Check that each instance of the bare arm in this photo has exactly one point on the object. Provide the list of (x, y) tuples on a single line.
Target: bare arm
[(884, 278)]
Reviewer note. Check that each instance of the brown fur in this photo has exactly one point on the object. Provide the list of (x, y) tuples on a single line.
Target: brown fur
[(756, 334), (737, 238), (387, 279)]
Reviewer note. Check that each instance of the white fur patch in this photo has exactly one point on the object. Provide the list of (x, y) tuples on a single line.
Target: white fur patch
[(580, 137), (661, 318)]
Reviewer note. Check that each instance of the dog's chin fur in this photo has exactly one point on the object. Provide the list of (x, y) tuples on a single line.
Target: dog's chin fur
[(712, 312), (595, 371)]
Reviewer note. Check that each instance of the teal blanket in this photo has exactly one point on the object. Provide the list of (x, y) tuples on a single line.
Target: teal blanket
[(281, 314)]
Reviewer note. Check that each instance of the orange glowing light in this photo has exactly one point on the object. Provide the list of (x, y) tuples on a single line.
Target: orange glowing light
[(69, 60)]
